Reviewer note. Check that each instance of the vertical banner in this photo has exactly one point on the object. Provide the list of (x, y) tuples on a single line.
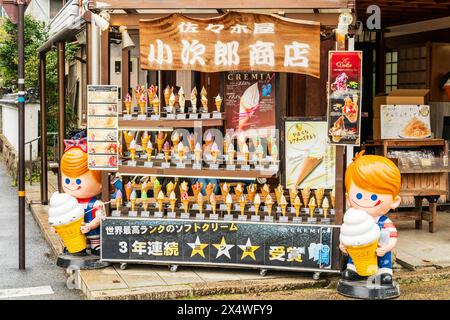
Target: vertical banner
[(344, 97), (309, 159), (250, 101), (102, 127)]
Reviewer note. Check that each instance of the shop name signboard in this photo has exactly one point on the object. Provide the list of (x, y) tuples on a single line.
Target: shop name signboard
[(264, 245), (231, 42)]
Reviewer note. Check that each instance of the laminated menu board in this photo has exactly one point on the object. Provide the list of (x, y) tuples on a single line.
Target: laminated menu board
[(344, 97), (250, 101), (102, 127), (405, 122), (309, 160)]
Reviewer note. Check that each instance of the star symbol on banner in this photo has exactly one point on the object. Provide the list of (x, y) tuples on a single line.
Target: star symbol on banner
[(248, 250), (223, 248), (197, 247)]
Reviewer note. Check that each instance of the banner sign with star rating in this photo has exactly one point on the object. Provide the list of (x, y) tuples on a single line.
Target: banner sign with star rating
[(235, 41), (216, 243)]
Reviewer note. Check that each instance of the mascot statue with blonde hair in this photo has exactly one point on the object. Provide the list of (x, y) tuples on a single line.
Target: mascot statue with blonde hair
[(75, 215), (368, 236)]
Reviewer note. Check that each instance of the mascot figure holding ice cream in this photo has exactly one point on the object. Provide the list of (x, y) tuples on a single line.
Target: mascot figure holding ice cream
[(368, 236), (75, 214)]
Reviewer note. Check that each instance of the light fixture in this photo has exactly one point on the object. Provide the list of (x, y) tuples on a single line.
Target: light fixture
[(127, 42), (101, 20)]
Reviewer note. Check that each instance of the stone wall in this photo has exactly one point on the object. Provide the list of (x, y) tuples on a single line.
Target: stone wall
[(9, 157)]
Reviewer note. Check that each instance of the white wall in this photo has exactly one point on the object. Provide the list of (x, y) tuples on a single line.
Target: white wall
[(39, 9), (10, 125)]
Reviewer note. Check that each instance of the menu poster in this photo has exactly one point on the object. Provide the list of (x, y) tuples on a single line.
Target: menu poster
[(250, 101), (309, 160), (344, 97), (405, 122), (102, 127)]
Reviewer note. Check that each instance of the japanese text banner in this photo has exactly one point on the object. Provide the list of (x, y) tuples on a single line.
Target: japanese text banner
[(234, 41)]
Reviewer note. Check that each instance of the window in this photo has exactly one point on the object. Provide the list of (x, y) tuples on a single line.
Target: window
[(391, 70), (55, 6)]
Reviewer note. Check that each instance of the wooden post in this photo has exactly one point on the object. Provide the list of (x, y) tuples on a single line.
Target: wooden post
[(126, 72), (43, 107), (61, 105), (381, 64)]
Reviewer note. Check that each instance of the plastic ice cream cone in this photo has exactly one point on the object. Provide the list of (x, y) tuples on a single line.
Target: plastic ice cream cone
[(225, 190), (325, 207), (133, 204), (118, 203), (142, 106), (71, 235), (144, 140), (319, 192), (231, 157), (149, 153), (251, 190), (364, 258), (265, 190), (128, 189), (332, 198), (269, 209), (160, 205), (198, 156), (297, 210), (257, 208), (160, 139), (218, 103), (167, 92), (209, 190), (306, 193), (166, 155), (229, 208), (283, 209), (156, 190), (133, 154), (214, 156), (278, 192), (312, 206), (128, 107), (246, 156), (172, 204), (238, 190), (186, 205), (180, 155), (242, 207), (128, 136)]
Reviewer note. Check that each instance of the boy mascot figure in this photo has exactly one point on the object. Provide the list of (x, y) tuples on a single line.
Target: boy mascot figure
[(372, 189), (81, 186)]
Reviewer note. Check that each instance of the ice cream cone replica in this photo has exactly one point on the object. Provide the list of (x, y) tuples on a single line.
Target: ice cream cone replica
[(194, 100), (332, 198), (213, 202), (132, 149), (242, 202), (133, 198), (200, 202), (257, 203), (241, 140), (218, 102), (128, 136), (198, 153), (181, 100), (185, 201), (293, 191), (360, 235), (145, 138), (265, 190), (224, 190), (143, 103), (306, 193), (66, 216), (260, 153), (246, 153), (138, 92), (269, 204), (231, 153), (160, 200), (325, 207), (184, 187), (149, 150), (176, 138), (127, 102), (297, 204), (170, 187), (318, 193), (204, 101), (152, 92), (283, 204), (209, 190), (155, 104), (274, 154), (160, 139), (166, 150), (312, 206), (238, 190), (144, 200), (128, 189), (270, 142), (172, 200), (229, 202), (156, 187), (196, 187), (279, 190), (180, 150), (118, 200), (214, 152), (251, 191), (167, 92), (171, 107)]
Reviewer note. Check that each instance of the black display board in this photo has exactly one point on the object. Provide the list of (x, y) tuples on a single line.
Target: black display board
[(218, 243)]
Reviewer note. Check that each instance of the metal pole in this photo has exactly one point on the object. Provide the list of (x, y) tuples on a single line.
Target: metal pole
[(21, 106), (61, 105), (43, 102)]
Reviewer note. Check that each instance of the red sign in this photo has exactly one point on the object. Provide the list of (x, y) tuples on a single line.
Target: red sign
[(12, 9), (344, 99)]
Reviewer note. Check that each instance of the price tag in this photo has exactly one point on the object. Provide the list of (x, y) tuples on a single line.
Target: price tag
[(206, 115), (197, 166), (131, 163), (242, 217), (217, 115), (148, 164), (193, 116), (142, 117), (154, 117), (245, 167), (255, 218), (171, 215), (159, 156), (132, 214), (171, 116), (165, 165), (181, 165), (230, 167), (214, 166), (181, 116), (127, 117), (145, 214)]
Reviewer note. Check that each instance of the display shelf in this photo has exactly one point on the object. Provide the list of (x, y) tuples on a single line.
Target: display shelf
[(201, 173), (168, 123)]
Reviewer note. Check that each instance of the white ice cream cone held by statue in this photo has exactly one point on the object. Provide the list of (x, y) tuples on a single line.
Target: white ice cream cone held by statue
[(367, 235), (75, 214)]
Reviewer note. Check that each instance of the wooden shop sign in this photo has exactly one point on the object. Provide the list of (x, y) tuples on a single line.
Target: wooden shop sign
[(231, 42)]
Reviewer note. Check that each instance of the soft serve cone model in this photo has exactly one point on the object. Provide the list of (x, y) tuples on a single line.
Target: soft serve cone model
[(66, 216), (360, 235)]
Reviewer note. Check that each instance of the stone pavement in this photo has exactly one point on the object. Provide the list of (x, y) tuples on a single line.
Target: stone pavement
[(416, 249)]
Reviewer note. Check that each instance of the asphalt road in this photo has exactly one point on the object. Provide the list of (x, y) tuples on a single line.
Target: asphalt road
[(41, 270)]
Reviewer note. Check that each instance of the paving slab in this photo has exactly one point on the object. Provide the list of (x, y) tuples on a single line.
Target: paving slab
[(183, 276), (102, 279), (137, 276), (146, 293)]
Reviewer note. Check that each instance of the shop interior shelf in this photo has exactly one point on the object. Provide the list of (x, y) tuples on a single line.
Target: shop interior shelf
[(202, 173), (166, 123)]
